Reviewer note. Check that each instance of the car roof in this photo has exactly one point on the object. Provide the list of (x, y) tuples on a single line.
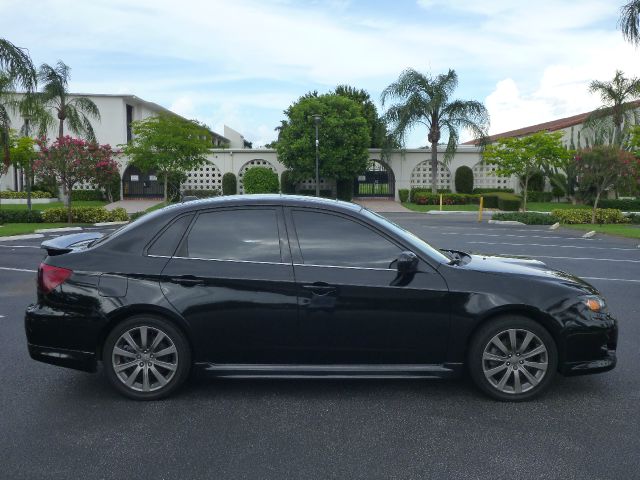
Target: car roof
[(262, 199)]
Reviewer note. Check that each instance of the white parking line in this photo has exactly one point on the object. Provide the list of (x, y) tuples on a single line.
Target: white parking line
[(611, 279), (555, 237), (586, 258), (18, 269), (554, 246)]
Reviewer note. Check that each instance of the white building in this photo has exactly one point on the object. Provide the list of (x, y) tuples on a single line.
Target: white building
[(387, 173)]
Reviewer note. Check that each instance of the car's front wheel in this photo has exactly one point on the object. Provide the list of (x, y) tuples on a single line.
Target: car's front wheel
[(146, 357), (512, 358)]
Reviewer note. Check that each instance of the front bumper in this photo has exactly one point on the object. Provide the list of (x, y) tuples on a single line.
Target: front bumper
[(85, 361)]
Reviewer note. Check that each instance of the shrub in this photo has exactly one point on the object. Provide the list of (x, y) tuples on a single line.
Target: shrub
[(8, 194), (20, 216), (492, 190), (84, 215), (287, 185), (113, 187), (536, 182), (603, 215), (404, 194), (536, 196), (415, 190), (344, 190), (86, 195), (428, 198), (529, 218), (509, 203), (47, 185), (464, 180), (229, 184), (626, 205), (261, 180), (202, 193), (634, 218)]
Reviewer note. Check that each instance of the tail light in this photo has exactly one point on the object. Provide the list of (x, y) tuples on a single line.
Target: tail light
[(49, 277)]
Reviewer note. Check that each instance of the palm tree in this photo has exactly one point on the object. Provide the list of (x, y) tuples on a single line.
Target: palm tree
[(618, 109), (16, 64), (629, 21), (75, 111), (425, 100)]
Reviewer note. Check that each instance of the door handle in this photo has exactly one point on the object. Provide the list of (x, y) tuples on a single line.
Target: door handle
[(320, 289), (187, 281)]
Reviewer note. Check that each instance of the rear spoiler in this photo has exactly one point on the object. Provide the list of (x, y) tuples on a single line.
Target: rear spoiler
[(68, 243)]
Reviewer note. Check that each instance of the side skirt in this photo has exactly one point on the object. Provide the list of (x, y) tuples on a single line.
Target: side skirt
[(448, 370)]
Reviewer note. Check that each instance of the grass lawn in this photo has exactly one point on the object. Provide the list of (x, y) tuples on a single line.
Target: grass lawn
[(426, 208), (158, 206), (550, 206), (46, 206), (629, 231), (9, 229)]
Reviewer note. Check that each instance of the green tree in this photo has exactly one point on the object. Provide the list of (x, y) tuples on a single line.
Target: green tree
[(23, 156), (168, 144), (75, 111), (601, 168), (343, 138), (629, 21), (617, 111), (377, 128), (425, 100), (527, 156)]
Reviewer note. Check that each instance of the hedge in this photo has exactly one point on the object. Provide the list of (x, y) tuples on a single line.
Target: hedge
[(464, 180), (624, 205), (528, 218), (539, 196), (492, 190), (415, 190), (261, 180), (344, 190), (428, 198), (229, 184), (202, 193), (20, 216), (9, 195), (86, 195), (85, 215), (404, 194), (509, 203), (603, 215)]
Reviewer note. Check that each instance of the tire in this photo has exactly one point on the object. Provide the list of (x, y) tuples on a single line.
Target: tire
[(512, 374), (146, 369)]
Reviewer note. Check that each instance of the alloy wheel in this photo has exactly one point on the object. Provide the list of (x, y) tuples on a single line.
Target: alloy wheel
[(515, 361), (145, 359)]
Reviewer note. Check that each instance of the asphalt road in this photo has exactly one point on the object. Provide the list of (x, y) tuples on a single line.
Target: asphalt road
[(59, 423)]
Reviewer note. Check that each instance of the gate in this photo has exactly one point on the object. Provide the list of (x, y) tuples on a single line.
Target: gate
[(376, 181), (138, 184)]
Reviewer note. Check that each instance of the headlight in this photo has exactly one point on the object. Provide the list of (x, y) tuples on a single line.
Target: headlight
[(594, 303)]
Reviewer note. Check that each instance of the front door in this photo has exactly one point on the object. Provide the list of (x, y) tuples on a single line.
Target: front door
[(232, 280), (139, 184), (354, 309)]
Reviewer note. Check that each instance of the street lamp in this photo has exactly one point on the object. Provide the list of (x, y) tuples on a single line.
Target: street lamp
[(316, 120)]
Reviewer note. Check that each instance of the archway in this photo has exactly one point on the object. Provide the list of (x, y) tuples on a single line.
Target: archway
[(139, 184), (258, 162), (377, 180)]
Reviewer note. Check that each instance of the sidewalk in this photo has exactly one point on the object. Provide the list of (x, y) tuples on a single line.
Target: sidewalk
[(133, 206), (382, 205)]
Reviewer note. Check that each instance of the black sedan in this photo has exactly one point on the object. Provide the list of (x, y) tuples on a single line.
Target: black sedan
[(287, 286)]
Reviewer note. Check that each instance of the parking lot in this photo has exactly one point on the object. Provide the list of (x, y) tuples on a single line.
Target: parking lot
[(59, 423)]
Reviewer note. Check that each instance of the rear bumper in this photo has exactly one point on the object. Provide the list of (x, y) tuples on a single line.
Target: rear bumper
[(85, 361)]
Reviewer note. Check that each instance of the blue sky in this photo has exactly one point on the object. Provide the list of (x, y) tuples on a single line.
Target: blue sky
[(242, 62)]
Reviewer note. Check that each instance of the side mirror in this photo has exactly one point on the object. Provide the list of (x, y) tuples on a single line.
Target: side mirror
[(407, 263)]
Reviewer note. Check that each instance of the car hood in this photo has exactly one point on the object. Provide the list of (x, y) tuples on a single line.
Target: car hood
[(523, 266)]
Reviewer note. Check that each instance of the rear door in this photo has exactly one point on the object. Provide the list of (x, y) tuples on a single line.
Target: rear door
[(232, 280), (354, 308)]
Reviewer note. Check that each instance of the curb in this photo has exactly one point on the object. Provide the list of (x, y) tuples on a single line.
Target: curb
[(505, 222), (27, 236), (61, 229), (107, 224), (452, 212)]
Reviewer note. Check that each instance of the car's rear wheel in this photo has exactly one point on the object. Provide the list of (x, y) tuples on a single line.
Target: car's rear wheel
[(512, 358), (146, 357)]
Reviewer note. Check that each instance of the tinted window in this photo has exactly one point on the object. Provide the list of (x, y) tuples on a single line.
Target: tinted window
[(327, 239), (250, 235), (167, 242)]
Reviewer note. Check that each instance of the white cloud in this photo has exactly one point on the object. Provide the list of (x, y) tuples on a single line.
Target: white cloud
[(183, 106)]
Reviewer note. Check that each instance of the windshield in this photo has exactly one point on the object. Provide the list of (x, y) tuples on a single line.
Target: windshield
[(409, 237)]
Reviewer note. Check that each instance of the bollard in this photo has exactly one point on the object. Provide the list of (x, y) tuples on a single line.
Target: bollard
[(440, 202), (480, 209)]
